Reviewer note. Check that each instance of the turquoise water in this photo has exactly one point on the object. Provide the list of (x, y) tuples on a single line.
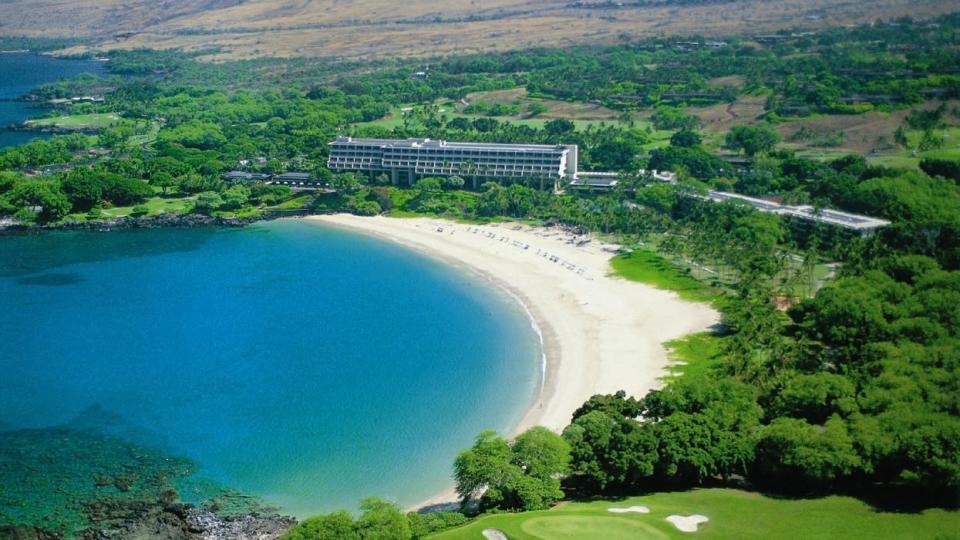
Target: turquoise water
[(297, 362), (20, 73)]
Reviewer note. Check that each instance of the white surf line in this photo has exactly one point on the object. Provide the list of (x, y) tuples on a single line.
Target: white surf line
[(533, 324)]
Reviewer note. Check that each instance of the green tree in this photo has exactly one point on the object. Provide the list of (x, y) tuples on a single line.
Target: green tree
[(382, 520), (947, 168), (752, 139), (53, 204), (489, 463), (614, 405), (610, 454), (346, 183), (163, 180), (423, 525), (536, 108), (541, 453), (84, 189), (453, 182), (429, 185), (207, 202), (686, 138), (794, 455), (559, 126), (673, 118), (335, 526), (124, 191), (236, 197), (814, 397)]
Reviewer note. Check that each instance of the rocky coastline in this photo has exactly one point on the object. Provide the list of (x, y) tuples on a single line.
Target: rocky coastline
[(82, 481), (166, 220), (174, 521), (53, 130)]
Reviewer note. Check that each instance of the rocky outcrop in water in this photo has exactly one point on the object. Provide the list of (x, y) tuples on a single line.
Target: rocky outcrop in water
[(184, 522), (82, 481)]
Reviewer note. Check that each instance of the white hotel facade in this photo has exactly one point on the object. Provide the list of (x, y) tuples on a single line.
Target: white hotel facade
[(406, 160)]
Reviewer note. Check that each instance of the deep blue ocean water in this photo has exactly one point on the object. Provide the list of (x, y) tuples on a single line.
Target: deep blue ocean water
[(20, 73), (297, 362)]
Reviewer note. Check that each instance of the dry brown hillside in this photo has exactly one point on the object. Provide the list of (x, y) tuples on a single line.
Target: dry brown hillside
[(368, 28)]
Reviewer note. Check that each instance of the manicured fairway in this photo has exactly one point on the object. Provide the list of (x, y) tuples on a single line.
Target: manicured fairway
[(78, 121), (732, 513)]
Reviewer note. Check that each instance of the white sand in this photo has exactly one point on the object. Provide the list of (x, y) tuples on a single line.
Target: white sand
[(639, 509), (494, 534), (687, 523), (601, 333)]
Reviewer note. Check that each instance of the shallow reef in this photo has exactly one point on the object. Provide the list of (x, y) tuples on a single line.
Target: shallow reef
[(81, 480)]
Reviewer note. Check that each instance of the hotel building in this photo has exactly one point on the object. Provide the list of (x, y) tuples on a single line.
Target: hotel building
[(405, 160)]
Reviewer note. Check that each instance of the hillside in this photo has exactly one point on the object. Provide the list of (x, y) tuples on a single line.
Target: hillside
[(375, 28)]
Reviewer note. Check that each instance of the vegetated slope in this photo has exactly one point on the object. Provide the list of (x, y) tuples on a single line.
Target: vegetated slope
[(367, 28)]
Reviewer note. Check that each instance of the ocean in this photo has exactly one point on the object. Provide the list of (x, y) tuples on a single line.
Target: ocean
[(296, 362), (20, 73)]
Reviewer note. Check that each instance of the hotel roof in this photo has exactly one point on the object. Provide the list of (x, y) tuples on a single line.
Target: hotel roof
[(431, 143), (596, 179), (846, 220), (293, 176), (244, 175)]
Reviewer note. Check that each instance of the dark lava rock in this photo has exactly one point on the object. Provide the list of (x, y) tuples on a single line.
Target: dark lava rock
[(18, 532), (153, 222), (184, 522)]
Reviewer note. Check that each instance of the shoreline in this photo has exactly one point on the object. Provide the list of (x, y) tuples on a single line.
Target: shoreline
[(549, 347), (600, 333)]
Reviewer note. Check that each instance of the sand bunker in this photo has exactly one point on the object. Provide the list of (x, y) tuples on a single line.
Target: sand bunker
[(494, 534), (687, 523), (638, 509)]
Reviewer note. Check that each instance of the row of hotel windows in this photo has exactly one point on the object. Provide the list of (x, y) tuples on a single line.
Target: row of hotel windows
[(420, 152), (477, 163), (447, 169), (492, 172), (545, 163)]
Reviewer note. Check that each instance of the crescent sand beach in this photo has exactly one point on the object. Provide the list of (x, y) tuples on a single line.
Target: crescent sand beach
[(601, 333)]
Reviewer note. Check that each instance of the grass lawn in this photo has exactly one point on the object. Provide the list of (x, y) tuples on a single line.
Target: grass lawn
[(296, 203), (648, 267), (732, 514), (155, 205), (395, 119), (77, 121), (692, 355)]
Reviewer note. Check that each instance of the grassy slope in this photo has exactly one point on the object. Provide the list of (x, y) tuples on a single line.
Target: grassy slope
[(693, 355), (648, 267), (732, 514), (155, 205), (77, 121), (395, 119), (375, 29)]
